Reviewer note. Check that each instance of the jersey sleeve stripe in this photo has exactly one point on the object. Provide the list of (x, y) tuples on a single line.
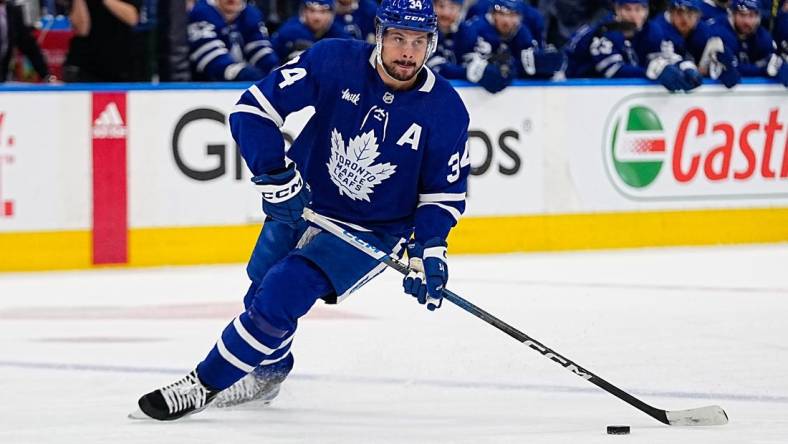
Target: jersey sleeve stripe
[(612, 70), (241, 108), (209, 57), (266, 105), (252, 45), (609, 60), (202, 50), (254, 343), (231, 358), (455, 213), (259, 55), (441, 197), (232, 71)]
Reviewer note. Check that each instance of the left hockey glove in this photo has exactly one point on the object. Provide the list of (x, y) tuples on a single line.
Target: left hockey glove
[(778, 69), (691, 75), (428, 272), (284, 194)]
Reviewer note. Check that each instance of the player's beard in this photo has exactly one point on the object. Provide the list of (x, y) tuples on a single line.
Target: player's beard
[(395, 69)]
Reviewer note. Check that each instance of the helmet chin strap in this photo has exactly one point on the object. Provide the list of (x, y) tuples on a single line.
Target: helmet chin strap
[(379, 51)]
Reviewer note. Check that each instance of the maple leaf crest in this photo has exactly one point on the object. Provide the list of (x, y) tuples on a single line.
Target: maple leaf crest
[(352, 167)]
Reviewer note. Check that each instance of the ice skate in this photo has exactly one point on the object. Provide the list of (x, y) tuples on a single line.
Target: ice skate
[(184, 397), (260, 387)]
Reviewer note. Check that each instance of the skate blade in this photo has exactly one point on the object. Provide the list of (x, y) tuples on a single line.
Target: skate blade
[(139, 415)]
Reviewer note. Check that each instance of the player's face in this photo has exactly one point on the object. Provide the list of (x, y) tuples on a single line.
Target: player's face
[(404, 52), (318, 18), (634, 13), (230, 8), (746, 22), (448, 13), (685, 20), (506, 22)]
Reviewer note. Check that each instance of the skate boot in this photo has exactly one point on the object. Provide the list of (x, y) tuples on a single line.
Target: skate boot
[(181, 398), (260, 386)]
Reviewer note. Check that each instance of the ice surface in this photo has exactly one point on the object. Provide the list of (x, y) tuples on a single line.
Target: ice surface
[(679, 328)]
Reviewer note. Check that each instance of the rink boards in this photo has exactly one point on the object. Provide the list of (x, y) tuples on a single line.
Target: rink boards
[(150, 175)]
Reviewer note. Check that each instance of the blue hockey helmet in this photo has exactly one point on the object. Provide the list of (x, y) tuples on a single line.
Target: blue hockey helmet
[(685, 4), (517, 6), (745, 5), (411, 15)]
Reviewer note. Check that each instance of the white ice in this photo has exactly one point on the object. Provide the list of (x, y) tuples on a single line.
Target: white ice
[(678, 328)]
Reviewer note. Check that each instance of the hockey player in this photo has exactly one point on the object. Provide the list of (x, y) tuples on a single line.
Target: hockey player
[(781, 31), (713, 11), (744, 48), (531, 17), (357, 17), (625, 45), (496, 48), (315, 21), (385, 156), (228, 41), (445, 61), (682, 27)]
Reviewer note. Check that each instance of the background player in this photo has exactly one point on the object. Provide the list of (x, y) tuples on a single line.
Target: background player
[(315, 21), (385, 154), (626, 45), (682, 27), (746, 49), (229, 41)]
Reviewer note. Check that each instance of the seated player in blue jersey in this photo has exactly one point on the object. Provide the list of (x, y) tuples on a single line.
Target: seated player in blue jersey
[(625, 45), (229, 42), (531, 17), (357, 18), (714, 10), (682, 27), (384, 155), (781, 31), (315, 21), (445, 61), (745, 48)]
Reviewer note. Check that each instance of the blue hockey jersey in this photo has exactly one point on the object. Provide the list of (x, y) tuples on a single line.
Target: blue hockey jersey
[(481, 39), (445, 60), (781, 34), (712, 12), (377, 158), (361, 22), (532, 18), (690, 48), (294, 37), (239, 50), (752, 53), (602, 50)]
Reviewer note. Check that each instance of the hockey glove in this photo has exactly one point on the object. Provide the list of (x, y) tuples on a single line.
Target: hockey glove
[(493, 80), (428, 272), (548, 61), (782, 74), (284, 194), (730, 75), (778, 69), (692, 77), (673, 79)]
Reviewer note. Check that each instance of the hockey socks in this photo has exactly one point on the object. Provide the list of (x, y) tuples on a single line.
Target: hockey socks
[(248, 341)]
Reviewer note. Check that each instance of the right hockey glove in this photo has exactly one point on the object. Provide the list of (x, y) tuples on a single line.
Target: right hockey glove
[(691, 74), (493, 80), (428, 272), (729, 75), (284, 194), (673, 79)]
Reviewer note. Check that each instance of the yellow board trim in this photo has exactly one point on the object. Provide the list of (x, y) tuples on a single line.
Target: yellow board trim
[(191, 245), (474, 235), (49, 250)]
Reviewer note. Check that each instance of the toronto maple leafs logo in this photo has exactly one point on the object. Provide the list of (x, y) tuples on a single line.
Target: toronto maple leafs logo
[(352, 168)]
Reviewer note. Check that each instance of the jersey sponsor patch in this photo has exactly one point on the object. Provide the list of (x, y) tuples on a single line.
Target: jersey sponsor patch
[(352, 168)]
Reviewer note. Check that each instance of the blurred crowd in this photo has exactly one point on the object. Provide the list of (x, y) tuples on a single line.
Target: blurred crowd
[(678, 43)]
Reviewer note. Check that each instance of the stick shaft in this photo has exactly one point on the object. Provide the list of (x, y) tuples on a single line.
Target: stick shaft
[(658, 414)]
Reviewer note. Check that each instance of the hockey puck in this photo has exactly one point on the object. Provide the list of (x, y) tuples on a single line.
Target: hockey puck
[(617, 430)]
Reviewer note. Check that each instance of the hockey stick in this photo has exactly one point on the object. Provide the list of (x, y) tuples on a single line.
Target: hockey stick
[(704, 416)]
